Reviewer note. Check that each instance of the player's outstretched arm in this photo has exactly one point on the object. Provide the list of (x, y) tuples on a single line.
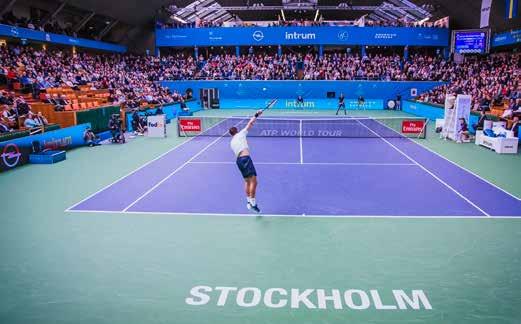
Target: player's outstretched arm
[(253, 119)]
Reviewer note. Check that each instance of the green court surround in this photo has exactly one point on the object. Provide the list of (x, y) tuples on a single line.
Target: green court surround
[(59, 267)]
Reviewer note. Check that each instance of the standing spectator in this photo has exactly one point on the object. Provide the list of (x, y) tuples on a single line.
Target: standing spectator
[(398, 102), (341, 104)]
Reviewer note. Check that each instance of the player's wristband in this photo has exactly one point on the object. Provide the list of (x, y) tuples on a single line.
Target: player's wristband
[(256, 115)]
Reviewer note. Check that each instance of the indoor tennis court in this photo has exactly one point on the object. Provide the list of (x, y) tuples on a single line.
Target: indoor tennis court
[(309, 167)]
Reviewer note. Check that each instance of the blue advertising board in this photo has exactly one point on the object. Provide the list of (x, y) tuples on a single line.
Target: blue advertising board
[(507, 38), (290, 89), (171, 111), (331, 35), (431, 111), (309, 104), (26, 33), (470, 42), (16, 152)]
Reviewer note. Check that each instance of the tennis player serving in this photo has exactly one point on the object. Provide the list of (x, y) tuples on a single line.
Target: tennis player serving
[(240, 148)]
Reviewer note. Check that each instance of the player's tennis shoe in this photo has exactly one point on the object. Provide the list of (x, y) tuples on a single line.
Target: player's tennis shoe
[(253, 208)]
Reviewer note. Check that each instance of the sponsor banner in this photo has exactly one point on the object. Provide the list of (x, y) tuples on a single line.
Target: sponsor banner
[(507, 38), (190, 125), (156, 126), (26, 33), (12, 156), (485, 13), (16, 152), (413, 126), (348, 35), (430, 111)]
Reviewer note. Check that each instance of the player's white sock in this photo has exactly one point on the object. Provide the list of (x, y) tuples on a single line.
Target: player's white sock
[(249, 200), (253, 202)]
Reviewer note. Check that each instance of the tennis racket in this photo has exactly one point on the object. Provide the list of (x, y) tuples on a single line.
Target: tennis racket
[(268, 106)]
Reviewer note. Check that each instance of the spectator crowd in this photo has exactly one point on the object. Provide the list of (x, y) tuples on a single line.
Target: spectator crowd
[(490, 80), (131, 79), (50, 26), (200, 23)]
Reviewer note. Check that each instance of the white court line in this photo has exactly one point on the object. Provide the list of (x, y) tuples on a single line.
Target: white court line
[(301, 149), (465, 169), (426, 170), (294, 118), (311, 163), (172, 173), (129, 174), (132, 172), (454, 163), (425, 217)]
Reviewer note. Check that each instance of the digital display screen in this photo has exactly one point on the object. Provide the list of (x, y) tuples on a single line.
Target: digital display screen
[(470, 42)]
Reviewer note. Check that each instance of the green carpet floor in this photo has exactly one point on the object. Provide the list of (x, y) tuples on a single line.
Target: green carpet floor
[(59, 267)]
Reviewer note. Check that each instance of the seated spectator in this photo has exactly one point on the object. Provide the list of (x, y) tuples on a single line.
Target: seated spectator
[(90, 138), (481, 121), (138, 123), (7, 98), (22, 107), (50, 100), (498, 100), (27, 82), (4, 128), (516, 124), (485, 104), (30, 121), (463, 131), (507, 113), (9, 117), (3, 98), (40, 119), (516, 108), (61, 102)]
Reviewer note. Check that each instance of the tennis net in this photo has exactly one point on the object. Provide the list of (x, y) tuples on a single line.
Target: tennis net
[(387, 127)]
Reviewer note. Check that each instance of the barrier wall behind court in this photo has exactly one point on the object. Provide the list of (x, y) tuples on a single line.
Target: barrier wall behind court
[(289, 89)]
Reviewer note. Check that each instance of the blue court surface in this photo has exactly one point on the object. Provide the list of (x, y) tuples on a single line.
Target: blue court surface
[(306, 176)]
